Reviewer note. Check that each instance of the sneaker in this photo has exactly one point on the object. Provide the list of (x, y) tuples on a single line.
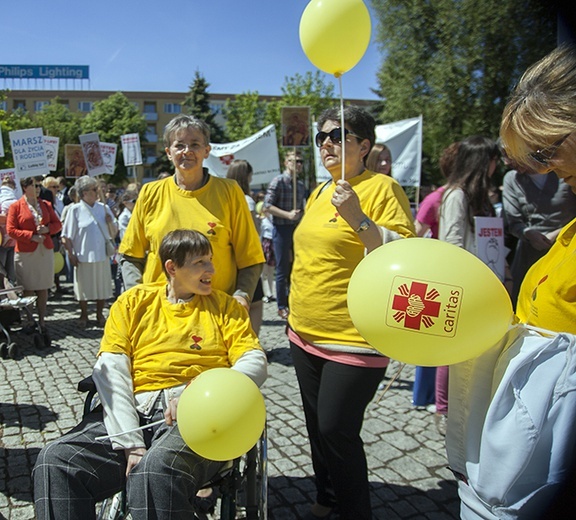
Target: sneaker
[(283, 313), (441, 420)]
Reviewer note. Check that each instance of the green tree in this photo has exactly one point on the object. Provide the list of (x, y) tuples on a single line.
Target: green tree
[(455, 62), (57, 120), (111, 118), (17, 120), (245, 115), (197, 103)]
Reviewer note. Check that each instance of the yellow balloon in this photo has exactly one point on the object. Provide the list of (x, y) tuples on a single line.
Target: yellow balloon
[(426, 302), (221, 414), (335, 34), (58, 262)]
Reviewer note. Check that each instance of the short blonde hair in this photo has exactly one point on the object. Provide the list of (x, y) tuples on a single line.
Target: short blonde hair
[(542, 108)]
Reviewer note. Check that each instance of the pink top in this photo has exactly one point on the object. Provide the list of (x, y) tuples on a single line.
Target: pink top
[(428, 211), (346, 358)]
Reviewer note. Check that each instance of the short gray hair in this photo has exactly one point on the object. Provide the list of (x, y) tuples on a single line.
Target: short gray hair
[(84, 184), (185, 121)]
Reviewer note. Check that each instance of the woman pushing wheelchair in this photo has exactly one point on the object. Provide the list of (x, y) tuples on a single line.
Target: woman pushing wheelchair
[(158, 338)]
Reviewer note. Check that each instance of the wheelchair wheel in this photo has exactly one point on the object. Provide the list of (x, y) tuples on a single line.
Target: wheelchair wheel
[(3, 350), (256, 480), (12, 350)]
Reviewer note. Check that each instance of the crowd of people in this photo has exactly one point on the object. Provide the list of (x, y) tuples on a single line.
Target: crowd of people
[(200, 255)]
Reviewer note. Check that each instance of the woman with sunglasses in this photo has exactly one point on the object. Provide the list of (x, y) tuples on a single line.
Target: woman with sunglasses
[(512, 423), (31, 221), (338, 372)]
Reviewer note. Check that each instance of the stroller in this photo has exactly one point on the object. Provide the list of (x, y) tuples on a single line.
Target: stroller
[(12, 304)]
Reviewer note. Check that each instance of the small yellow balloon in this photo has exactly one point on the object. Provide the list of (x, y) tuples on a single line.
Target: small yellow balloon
[(58, 262), (335, 34), (221, 414), (426, 302)]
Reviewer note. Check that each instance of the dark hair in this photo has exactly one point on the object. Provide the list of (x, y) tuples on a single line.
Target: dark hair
[(470, 174), (356, 119), (448, 159), (27, 181), (181, 244), (240, 170)]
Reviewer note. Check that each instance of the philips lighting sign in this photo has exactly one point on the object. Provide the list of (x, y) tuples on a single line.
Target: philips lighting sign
[(45, 71)]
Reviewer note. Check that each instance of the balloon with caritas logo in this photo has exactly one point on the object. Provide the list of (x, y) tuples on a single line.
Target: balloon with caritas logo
[(429, 303)]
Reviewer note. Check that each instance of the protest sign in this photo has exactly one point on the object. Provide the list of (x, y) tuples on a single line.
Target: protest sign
[(92, 154), (51, 148), (109, 155), (490, 243), (131, 149), (28, 153), (260, 150), (1, 144), (74, 165), (295, 126)]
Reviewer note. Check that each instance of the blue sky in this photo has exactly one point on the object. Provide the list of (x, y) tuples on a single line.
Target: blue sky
[(145, 45)]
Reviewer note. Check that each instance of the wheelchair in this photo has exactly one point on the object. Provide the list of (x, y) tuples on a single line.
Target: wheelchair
[(241, 487)]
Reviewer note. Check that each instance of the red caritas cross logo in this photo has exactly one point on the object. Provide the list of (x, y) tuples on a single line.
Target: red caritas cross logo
[(424, 306)]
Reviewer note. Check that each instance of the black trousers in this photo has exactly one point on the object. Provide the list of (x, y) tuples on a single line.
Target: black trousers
[(335, 397)]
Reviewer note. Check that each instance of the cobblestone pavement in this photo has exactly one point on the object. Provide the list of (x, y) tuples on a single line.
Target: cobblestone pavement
[(406, 455)]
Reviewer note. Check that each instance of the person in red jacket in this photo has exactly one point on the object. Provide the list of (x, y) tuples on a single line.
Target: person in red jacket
[(31, 221)]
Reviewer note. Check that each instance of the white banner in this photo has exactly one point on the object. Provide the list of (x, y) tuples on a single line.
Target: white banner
[(51, 145), (92, 154), (109, 151), (1, 144), (131, 149), (490, 243), (260, 150), (404, 139), (28, 153)]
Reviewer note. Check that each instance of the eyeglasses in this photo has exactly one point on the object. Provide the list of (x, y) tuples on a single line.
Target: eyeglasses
[(335, 136), (38, 185), (297, 161), (546, 154)]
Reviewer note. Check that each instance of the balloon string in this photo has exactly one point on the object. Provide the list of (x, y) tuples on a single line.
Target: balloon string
[(146, 426), (402, 365), (342, 128)]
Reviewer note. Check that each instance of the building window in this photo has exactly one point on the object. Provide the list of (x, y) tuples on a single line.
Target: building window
[(39, 105), (3, 105), (149, 107), (19, 103), (216, 108), (172, 108), (85, 106)]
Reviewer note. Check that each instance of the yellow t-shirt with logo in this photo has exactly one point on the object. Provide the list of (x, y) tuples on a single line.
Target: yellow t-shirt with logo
[(169, 344), (327, 250), (218, 210), (548, 293)]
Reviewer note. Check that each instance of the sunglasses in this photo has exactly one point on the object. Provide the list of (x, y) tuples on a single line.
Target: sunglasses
[(545, 155), (335, 136), (38, 185)]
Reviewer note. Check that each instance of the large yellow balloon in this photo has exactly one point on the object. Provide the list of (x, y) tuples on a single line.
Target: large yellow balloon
[(335, 34), (221, 414), (58, 262), (426, 302)]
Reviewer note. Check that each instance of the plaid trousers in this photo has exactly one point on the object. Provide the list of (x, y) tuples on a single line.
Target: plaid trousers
[(75, 472)]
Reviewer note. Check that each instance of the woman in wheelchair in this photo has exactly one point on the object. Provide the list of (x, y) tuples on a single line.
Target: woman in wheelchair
[(158, 337)]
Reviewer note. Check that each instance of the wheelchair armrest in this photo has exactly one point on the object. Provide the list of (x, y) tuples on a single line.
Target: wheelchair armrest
[(87, 385)]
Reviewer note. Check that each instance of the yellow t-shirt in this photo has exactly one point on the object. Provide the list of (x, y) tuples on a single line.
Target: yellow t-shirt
[(218, 210), (327, 250), (548, 293), (169, 344)]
